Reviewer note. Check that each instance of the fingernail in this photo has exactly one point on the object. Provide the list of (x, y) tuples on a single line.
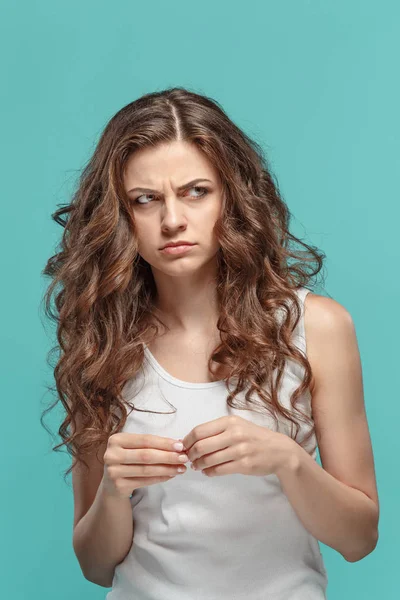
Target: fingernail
[(178, 446)]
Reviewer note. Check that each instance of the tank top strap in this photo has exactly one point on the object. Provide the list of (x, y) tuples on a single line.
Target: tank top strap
[(302, 293), (300, 329)]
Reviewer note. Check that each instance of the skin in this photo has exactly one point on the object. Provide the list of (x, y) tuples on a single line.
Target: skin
[(186, 286)]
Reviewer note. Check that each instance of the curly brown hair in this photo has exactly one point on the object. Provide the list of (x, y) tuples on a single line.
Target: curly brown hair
[(107, 290)]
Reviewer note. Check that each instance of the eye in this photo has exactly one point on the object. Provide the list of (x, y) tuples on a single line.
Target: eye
[(196, 187), (137, 199)]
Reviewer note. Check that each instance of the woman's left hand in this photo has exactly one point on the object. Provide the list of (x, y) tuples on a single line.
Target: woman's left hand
[(232, 444)]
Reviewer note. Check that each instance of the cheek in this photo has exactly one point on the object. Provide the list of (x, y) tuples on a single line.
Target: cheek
[(147, 246), (209, 215), (209, 225)]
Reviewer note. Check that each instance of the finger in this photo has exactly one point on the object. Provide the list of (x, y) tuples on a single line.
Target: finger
[(206, 430), (209, 445), (135, 440), (150, 456), (216, 458), (228, 468), (128, 471)]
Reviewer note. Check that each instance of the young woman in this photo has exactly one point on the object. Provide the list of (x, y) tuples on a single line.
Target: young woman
[(214, 342)]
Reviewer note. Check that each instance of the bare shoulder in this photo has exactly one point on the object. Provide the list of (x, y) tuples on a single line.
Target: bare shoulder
[(320, 311), (330, 334)]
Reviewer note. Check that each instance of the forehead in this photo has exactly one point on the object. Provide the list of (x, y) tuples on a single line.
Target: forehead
[(180, 161)]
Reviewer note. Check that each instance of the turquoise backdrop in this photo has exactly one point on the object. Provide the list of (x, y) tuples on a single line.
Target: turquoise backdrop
[(315, 83)]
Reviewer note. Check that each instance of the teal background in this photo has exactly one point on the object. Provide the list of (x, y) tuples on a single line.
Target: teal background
[(316, 83)]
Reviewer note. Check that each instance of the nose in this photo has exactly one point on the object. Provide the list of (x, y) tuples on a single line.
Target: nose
[(172, 214)]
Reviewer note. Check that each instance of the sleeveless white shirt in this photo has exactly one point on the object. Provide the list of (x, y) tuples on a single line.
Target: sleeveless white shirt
[(230, 537)]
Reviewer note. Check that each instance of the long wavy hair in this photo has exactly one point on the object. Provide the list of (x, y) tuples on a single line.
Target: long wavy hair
[(107, 290)]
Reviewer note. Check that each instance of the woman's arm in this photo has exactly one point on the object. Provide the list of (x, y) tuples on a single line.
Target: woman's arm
[(337, 514), (338, 503), (103, 537)]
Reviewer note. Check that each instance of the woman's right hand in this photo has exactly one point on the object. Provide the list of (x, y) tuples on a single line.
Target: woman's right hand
[(134, 460)]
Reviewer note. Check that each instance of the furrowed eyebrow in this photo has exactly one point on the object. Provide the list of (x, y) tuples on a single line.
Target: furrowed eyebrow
[(180, 188)]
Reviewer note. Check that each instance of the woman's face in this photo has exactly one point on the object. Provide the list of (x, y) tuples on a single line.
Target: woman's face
[(165, 213)]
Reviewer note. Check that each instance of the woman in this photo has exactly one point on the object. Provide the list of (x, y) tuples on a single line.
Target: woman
[(257, 369)]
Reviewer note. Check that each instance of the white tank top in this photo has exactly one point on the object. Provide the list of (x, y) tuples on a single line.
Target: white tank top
[(230, 537)]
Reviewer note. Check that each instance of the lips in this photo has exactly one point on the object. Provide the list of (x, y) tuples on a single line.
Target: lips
[(183, 243)]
